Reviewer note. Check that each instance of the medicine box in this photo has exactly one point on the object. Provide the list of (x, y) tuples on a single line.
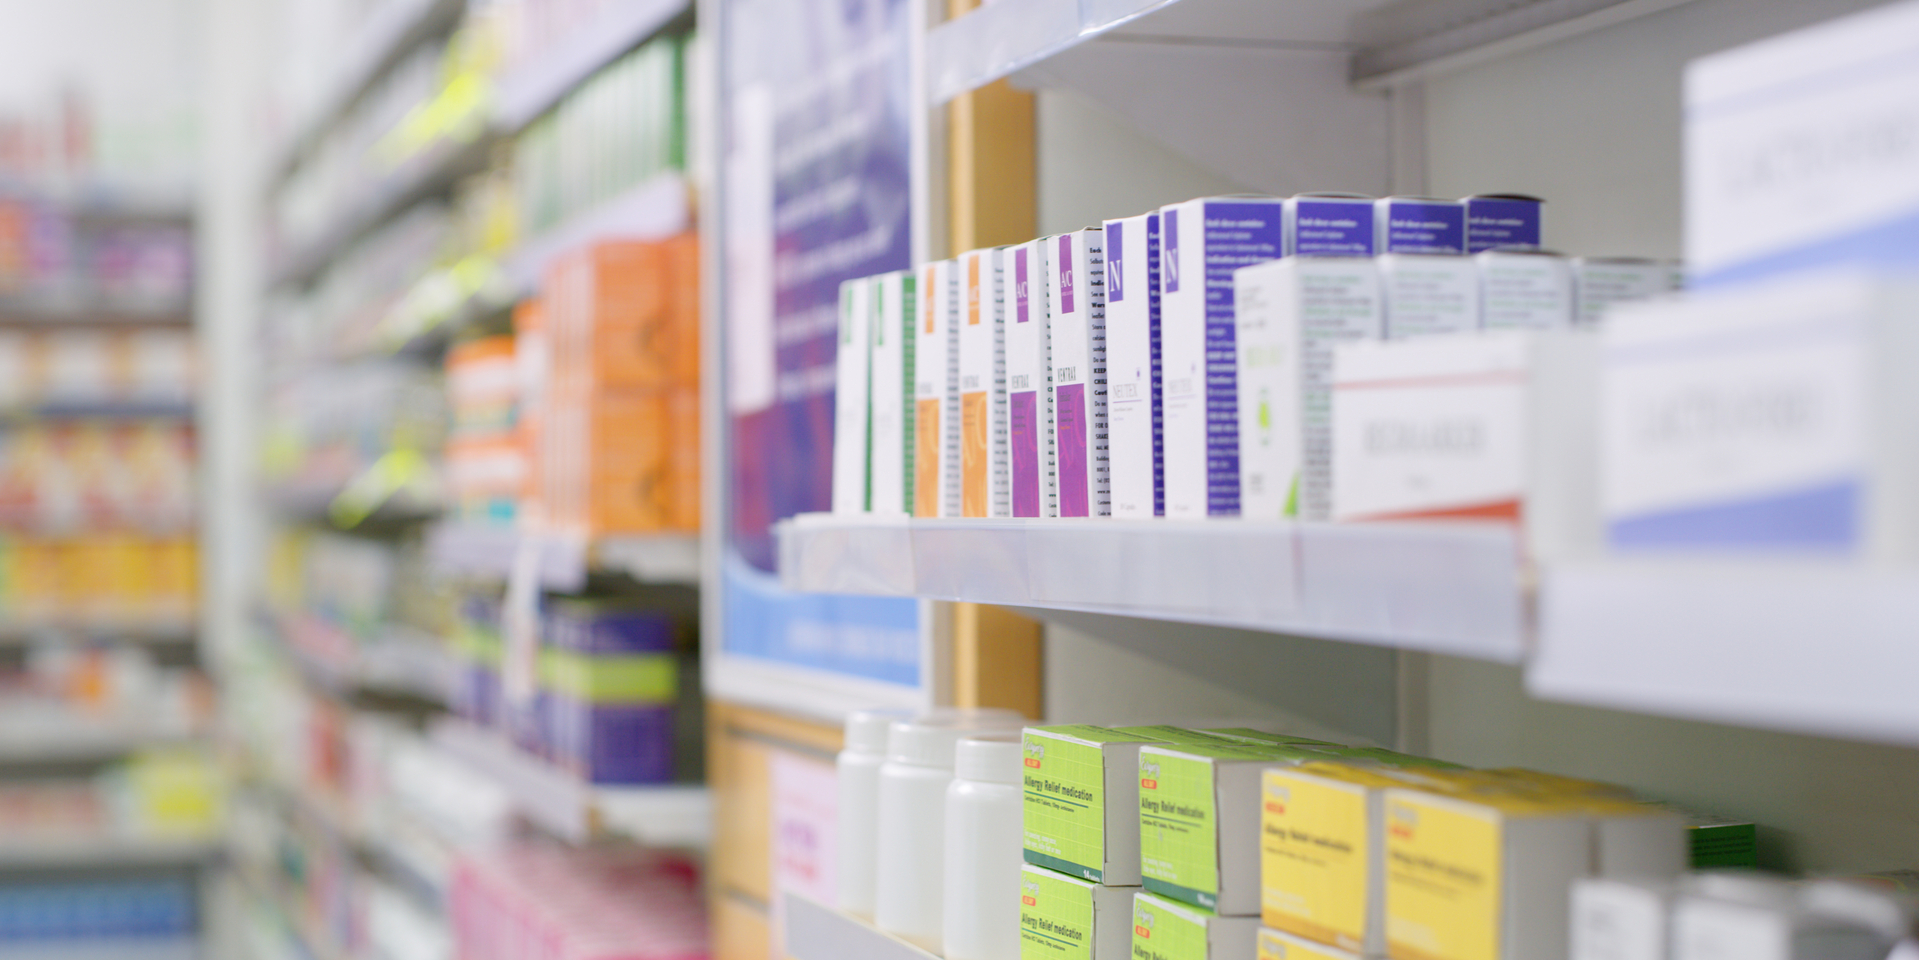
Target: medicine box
[(852, 410), (893, 385), (1134, 418), (1081, 800), (1524, 290), (1798, 151), (985, 474), (1431, 428), (1419, 225), (1066, 918), (1166, 930), (1619, 920), (1484, 877), (1422, 295), (1322, 853), (1291, 313), (1276, 945), (1599, 283), (1202, 243), (1028, 367), (1076, 328), (1199, 820), (1771, 419), (1329, 225), (936, 466), (1495, 220)]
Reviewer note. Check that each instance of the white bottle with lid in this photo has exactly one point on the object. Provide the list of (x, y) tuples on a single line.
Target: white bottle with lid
[(984, 849), (859, 805), (909, 900)]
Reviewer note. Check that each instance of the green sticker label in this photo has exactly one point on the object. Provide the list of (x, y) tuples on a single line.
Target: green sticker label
[(1162, 931), (1178, 827), (1055, 918), (1065, 805)]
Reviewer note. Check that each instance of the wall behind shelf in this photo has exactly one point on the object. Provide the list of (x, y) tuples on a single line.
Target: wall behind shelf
[(1078, 188), (1592, 123)]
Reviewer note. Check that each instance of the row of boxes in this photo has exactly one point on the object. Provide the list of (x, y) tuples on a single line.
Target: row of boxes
[(103, 580), (98, 366), (1078, 376), (1181, 844), (68, 476)]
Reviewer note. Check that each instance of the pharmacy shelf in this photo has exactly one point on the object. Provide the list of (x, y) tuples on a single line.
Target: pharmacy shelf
[(488, 551), (141, 948), (428, 175), (1817, 648), (150, 632), (384, 40), (52, 739), (104, 410), (530, 90), (69, 310), (572, 809), (24, 852), (654, 210), (1388, 42), (1446, 588), (400, 660), (815, 931)]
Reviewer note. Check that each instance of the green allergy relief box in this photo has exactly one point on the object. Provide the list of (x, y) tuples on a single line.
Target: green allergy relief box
[(1168, 930), (1199, 820), (1066, 918), (1081, 804)]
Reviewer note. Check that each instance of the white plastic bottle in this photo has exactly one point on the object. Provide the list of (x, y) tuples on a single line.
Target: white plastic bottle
[(909, 900), (858, 833), (984, 849)]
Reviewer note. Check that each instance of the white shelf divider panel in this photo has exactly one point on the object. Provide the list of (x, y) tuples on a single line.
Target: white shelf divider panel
[(572, 809), (1811, 648), (815, 931), (1449, 588), (533, 88)]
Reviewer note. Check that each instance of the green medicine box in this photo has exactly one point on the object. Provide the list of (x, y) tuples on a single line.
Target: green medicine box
[(1199, 820), (1066, 918), (1168, 930), (1081, 798)]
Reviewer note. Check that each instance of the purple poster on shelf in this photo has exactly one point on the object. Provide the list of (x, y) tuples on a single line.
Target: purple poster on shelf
[(817, 172)]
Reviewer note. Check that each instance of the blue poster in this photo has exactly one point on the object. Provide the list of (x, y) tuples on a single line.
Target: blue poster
[(817, 162)]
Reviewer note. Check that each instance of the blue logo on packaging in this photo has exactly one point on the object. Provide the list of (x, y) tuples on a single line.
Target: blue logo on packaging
[(1115, 284)]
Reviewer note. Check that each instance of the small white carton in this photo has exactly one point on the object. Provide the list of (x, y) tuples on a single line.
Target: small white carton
[(1599, 283), (1291, 313), (1076, 326), (1524, 290), (1419, 225), (936, 428), (1201, 243), (985, 474), (892, 385), (1329, 225), (1133, 412), (1028, 368), (1426, 295), (852, 407)]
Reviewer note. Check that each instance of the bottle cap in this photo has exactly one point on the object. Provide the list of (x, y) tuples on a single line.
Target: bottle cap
[(866, 729), (928, 740), (988, 757)]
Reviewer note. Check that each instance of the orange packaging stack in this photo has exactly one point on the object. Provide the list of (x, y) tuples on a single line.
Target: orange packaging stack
[(619, 440), (485, 462)]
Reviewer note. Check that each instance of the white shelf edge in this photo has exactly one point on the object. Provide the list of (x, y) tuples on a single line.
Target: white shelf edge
[(674, 815), (815, 931), (20, 853), (1445, 588), (1000, 39), (1502, 30), (531, 90), (1810, 648)]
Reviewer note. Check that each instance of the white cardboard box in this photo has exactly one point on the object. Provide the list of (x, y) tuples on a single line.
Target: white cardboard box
[(1425, 295), (852, 408), (985, 475), (1028, 367), (1524, 290), (1133, 411), (1076, 328), (936, 466), (1291, 313), (892, 384), (1201, 243)]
